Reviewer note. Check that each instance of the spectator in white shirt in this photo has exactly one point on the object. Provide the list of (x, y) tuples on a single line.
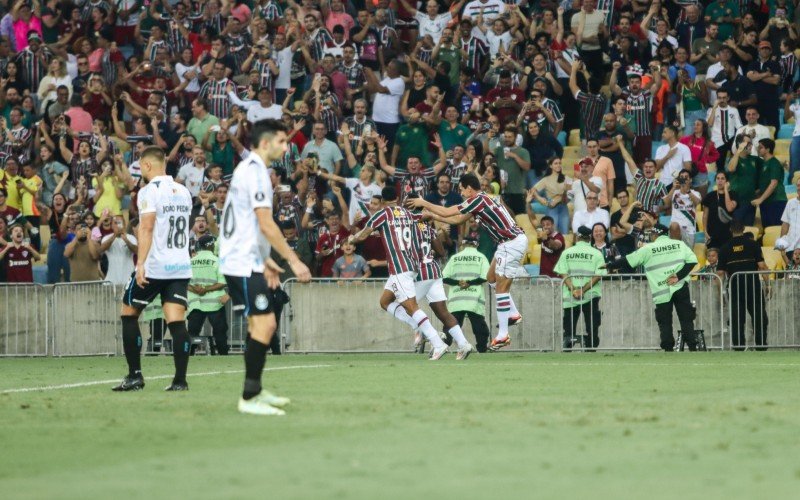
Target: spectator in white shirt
[(754, 129), (673, 156), (193, 174), (119, 246), (584, 185), (790, 224), (258, 110), (592, 215)]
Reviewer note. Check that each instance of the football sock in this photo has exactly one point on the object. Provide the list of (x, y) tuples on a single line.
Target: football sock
[(132, 344), (397, 311), (457, 335), (424, 324), (181, 346), (503, 304), (255, 355)]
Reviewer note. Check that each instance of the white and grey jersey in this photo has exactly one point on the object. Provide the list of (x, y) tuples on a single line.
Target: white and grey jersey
[(168, 257), (243, 248)]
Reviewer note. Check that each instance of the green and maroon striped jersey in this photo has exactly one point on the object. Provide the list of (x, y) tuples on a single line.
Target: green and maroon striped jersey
[(398, 232), (491, 216), (429, 267)]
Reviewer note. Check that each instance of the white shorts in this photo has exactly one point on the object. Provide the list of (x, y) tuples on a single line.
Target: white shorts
[(508, 256), (431, 290), (402, 286)]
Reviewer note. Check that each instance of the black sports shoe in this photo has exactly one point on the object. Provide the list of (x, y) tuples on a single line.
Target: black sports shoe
[(177, 386), (130, 383)]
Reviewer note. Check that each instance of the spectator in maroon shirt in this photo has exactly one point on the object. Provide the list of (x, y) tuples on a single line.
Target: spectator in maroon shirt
[(552, 245), (505, 102), (17, 258), (372, 248), (329, 245)]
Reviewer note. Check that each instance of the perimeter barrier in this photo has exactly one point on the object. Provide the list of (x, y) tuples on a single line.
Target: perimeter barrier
[(23, 320), (341, 315), (624, 316), (763, 310)]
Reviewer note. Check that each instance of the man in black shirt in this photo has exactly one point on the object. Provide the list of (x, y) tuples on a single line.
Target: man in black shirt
[(743, 255), (718, 213), (623, 222)]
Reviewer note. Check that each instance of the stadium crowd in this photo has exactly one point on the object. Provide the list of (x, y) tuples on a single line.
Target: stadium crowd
[(613, 115)]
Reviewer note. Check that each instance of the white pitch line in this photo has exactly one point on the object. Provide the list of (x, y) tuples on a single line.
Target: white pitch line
[(156, 377)]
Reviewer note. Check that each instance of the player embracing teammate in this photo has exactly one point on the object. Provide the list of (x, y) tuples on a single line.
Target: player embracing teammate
[(511, 245)]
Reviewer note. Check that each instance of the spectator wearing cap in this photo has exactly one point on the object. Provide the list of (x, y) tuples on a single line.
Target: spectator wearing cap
[(262, 109), (603, 168), (581, 267), (207, 296), (465, 272), (765, 73), (33, 60), (790, 225), (583, 184)]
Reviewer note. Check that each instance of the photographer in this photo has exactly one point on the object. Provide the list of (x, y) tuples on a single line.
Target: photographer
[(84, 255), (682, 198)]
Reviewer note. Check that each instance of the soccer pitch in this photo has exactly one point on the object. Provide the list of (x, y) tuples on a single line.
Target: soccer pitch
[(505, 425)]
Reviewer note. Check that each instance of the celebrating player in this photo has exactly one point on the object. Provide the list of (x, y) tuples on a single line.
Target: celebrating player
[(163, 268), (248, 233), (429, 286), (511, 245), (402, 244)]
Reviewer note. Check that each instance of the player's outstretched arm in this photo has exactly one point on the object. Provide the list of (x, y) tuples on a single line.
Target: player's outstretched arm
[(433, 208), (275, 237), (361, 235)]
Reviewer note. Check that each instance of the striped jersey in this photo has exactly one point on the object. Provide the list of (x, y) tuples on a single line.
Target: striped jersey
[(640, 106), (31, 67), (592, 108), (400, 241), (271, 11), (318, 41), (492, 216), (266, 79), (359, 129), (649, 192), (216, 94), (354, 74), (177, 42), (238, 47), (159, 44), (726, 122), (476, 51), (429, 267), (327, 115)]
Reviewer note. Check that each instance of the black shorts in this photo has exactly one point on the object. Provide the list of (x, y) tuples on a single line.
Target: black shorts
[(251, 295), (174, 291)]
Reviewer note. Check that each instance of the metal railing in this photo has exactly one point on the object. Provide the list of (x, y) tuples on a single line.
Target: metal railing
[(627, 315), (763, 310), (23, 320), (339, 315)]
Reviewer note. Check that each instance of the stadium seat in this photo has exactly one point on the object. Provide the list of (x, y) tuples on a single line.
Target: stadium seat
[(700, 237), (782, 147), (569, 240), (573, 151), (525, 223), (771, 234), (539, 209), (534, 253), (771, 131), (772, 258), (656, 145), (664, 220), (753, 230), (562, 138), (699, 218), (786, 131), (700, 253), (574, 137), (532, 269)]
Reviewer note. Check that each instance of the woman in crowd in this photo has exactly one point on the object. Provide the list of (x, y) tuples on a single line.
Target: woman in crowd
[(555, 187), (703, 153), (600, 242), (56, 76)]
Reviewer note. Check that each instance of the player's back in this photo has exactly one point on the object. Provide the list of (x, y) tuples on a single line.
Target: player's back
[(243, 248), (492, 216), (400, 239), (429, 267), (171, 202)]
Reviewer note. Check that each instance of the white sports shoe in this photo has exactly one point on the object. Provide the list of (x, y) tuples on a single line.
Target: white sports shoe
[(438, 352), (464, 351), (260, 405)]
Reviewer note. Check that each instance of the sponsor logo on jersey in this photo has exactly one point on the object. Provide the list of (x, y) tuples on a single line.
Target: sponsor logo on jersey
[(259, 196)]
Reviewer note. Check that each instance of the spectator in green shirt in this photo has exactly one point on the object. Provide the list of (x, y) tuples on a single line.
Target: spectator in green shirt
[(515, 161), (411, 140), (772, 195), (724, 13), (743, 171), (451, 132)]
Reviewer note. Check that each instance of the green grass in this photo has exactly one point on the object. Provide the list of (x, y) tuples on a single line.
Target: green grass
[(699, 425)]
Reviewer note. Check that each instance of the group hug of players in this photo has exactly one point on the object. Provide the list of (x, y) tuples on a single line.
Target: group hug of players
[(249, 233)]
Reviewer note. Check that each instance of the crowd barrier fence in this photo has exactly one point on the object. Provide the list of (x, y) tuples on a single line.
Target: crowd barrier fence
[(343, 316)]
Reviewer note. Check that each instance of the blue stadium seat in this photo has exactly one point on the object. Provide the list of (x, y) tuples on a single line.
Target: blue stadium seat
[(40, 274), (532, 269), (538, 208), (700, 237), (786, 131), (665, 220), (790, 188), (562, 138)]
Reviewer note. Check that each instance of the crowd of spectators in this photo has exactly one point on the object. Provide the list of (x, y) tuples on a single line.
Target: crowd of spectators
[(612, 115)]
